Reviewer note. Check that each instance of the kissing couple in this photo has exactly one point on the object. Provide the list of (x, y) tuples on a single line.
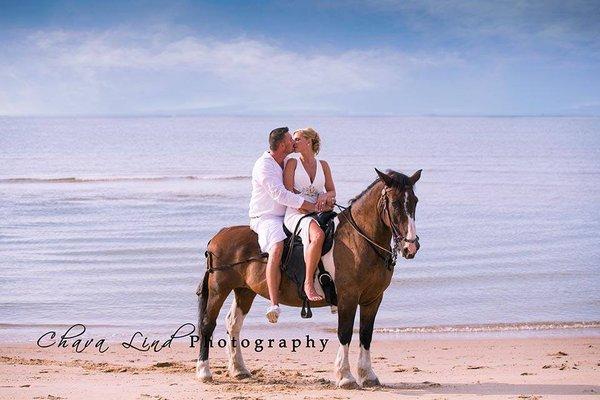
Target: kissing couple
[(285, 188)]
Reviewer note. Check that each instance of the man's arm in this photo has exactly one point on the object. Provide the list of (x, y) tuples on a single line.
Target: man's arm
[(307, 208)]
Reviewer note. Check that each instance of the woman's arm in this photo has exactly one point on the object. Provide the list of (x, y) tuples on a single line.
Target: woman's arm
[(288, 174), (329, 185)]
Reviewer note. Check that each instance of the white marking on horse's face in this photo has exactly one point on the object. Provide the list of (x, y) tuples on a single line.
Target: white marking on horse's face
[(411, 229)]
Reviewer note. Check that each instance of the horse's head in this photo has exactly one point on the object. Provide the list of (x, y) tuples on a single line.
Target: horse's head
[(397, 208)]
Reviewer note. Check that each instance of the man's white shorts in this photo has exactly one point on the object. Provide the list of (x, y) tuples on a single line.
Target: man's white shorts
[(269, 230)]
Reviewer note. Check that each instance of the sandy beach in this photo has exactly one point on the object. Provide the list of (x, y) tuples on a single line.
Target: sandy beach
[(453, 368)]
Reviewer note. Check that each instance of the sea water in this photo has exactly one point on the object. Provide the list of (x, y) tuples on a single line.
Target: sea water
[(104, 221)]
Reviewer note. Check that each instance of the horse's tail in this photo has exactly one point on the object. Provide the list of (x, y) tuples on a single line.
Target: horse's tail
[(202, 293)]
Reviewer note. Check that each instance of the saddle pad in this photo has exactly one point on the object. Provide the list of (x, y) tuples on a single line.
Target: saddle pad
[(294, 267)]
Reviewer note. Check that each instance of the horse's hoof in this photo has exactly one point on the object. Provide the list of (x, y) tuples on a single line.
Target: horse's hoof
[(202, 377), (371, 383), (243, 374), (203, 371), (346, 383)]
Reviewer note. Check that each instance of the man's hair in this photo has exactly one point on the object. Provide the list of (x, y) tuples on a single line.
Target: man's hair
[(276, 136)]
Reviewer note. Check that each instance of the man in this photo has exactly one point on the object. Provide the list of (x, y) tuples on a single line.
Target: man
[(267, 208)]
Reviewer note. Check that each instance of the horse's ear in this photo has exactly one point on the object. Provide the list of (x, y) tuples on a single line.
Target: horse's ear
[(389, 182), (415, 177)]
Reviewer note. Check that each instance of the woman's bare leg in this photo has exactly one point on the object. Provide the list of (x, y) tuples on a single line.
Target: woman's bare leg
[(316, 238)]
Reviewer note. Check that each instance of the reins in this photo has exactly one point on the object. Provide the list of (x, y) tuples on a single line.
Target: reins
[(390, 258), (358, 230)]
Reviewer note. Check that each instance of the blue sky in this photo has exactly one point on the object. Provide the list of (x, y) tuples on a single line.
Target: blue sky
[(372, 57)]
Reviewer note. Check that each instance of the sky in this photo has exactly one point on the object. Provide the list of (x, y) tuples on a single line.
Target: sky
[(346, 57)]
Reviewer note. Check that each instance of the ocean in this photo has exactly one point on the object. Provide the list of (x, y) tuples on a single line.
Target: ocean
[(104, 221)]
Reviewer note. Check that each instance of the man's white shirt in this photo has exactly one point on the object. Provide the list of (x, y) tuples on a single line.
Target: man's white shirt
[(269, 195)]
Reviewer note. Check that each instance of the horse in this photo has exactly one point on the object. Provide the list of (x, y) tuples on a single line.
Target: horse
[(361, 261)]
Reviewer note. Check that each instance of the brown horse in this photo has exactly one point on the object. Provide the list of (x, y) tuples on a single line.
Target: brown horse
[(361, 262)]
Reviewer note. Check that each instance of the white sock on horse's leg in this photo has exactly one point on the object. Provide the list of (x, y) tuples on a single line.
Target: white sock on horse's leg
[(343, 376), (203, 371), (366, 375), (234, 322)]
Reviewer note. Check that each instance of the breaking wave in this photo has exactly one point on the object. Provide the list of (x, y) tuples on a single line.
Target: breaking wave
[(498, 327), (128, 179)]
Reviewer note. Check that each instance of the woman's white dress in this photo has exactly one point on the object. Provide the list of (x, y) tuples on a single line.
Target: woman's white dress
[(310, 191)]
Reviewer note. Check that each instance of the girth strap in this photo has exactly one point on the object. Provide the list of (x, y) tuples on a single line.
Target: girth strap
[(210, 268)]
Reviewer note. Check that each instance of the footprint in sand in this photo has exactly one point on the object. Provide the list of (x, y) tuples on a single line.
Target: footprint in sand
[(558, 354)]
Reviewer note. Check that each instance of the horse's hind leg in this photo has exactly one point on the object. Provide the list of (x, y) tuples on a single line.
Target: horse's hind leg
[(235, 318), (366, 375), (209, 305)]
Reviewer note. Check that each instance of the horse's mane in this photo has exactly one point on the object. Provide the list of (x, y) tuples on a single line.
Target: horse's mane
[(401, 181), (363, 192)]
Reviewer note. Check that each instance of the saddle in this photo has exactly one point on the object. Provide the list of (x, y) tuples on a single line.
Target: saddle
[(294, 267)]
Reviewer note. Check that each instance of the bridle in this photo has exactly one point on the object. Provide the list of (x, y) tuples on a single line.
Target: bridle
[(398, 238)]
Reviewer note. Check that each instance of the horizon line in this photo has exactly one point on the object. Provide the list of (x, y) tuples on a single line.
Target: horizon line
[(346, 115)]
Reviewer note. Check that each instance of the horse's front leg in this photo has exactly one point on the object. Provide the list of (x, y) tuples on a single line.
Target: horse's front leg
[(346, 313), (366, 375)]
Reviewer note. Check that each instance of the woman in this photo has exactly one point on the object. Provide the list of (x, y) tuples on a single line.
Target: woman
[(311, 178)]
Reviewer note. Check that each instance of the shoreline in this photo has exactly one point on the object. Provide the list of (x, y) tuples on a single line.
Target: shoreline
[(530, 368), (29, 333)]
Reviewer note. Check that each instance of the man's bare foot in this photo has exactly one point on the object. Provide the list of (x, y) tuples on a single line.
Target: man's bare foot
[(311, 293)]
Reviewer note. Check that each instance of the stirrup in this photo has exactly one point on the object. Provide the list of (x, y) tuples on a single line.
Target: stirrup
[(306, 312)]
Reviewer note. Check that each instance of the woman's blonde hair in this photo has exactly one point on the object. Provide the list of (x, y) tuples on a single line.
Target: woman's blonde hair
[(310, 133)]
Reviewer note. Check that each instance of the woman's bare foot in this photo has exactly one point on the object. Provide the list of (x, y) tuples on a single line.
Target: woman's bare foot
[(311, 293)]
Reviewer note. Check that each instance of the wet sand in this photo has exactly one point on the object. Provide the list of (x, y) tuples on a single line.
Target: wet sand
[(453, 368)]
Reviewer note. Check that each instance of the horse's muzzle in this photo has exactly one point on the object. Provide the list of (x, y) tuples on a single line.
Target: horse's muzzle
[(409, 250)]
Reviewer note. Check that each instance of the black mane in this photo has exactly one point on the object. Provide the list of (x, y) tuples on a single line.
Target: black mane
[(401, 181)]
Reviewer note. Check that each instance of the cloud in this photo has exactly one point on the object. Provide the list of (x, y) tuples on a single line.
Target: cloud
[(422, 57), (586, 107), (517, 25), (87, 72)]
